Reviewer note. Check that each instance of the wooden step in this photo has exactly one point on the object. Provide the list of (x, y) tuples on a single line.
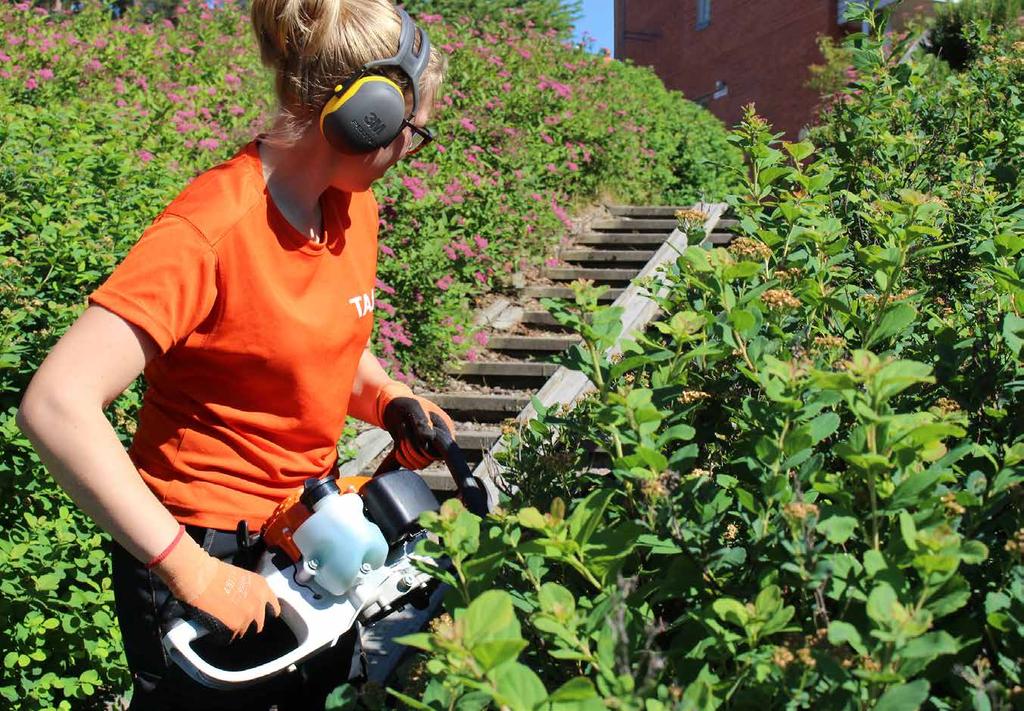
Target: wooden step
[(540, 318), (531, 343), (599, 276), (473, 439), (720, 239), (516, 368), (630, 225), (644, 211), (564, 292), (504, 404), (611, 256), (622, 240)]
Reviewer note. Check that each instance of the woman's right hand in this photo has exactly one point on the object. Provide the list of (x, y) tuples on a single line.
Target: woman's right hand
[(223, 594)]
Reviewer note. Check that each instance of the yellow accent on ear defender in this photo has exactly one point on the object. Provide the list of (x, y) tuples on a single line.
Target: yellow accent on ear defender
[(366, 115)]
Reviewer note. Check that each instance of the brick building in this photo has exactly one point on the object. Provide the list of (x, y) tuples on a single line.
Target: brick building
[(728, 53)]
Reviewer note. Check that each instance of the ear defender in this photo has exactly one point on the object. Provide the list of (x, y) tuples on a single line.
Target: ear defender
[(367, 110), (365, 116)]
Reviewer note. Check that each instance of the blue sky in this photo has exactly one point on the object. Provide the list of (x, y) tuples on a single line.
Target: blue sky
[(598, 21)]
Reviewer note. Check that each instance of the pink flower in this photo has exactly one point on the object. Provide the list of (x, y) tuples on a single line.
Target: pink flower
[(480, 277), (480, 337), (31, 83), (236, 110), (46, 74), (232, 80), (119, 86), (444, 283), (467, 124), (4, 57), (209, 144), (386, 288), (481, 243), (386, 250), (458, 340), (572, 166), (471, 355), (144, 156), (186, 50), (415, 186)]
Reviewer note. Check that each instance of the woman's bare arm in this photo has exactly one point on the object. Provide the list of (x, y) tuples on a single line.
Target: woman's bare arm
[(369, 379), (62, 415)]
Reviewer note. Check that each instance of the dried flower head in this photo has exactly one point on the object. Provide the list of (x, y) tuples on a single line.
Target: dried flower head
[(780, 299), (731, 532), (800, 510), (952, 505), (688, 397), (829, 342), (947, 405), (1016, 544), (791, 274), (747, 248), (782, 657), (805, 657), (689, 218)]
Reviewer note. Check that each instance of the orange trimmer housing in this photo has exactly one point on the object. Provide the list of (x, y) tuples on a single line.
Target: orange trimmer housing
[(277, 531)]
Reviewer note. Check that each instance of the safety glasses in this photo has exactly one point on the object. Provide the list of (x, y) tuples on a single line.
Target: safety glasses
[(420, 137)]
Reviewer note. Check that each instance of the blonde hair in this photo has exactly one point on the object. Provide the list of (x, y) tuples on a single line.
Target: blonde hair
[(312, 45)]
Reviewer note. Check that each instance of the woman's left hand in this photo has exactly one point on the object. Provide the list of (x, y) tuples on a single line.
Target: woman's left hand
[(413, 423)]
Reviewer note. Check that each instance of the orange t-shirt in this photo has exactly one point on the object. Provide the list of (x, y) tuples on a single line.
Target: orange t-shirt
[(260, 331)]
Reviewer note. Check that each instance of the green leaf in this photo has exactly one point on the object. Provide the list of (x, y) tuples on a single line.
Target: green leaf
[(1013, 333), (894, 321), (496, 652), (837, 529), (587, 514), (731, 610), (908, 530), (768, 601), (823, 426), (905, 697), (882, 604), (840, 632), (556, 601), (342, 698), (579, 688), (520, 688), (899, 375), (929, 646), (800, 150), (490, 617)]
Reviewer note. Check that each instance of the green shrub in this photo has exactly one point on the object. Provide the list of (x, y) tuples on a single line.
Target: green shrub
[(557, 14), (816, 458), (951, 36)]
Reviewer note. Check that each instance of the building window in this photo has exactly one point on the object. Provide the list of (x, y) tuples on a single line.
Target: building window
[(703, 14)]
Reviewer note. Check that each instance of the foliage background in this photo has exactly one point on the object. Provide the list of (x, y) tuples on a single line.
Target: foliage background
[(106, 120), (816, 459)]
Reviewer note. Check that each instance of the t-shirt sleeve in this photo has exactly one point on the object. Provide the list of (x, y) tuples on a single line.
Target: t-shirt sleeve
[(166, 285)]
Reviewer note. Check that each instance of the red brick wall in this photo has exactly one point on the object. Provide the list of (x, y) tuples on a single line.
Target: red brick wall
[(760, 48)]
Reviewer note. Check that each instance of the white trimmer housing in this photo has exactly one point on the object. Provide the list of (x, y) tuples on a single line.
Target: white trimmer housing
[(316, 618)]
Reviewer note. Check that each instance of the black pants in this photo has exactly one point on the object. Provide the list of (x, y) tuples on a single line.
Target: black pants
[(141, 600)]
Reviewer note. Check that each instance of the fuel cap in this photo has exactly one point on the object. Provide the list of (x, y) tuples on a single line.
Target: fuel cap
[(315, 489)]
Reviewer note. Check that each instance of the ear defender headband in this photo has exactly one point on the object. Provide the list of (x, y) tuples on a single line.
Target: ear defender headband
[(367, 110)]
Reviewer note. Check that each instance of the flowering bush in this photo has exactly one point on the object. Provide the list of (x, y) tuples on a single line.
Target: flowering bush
[(105, 121), (816, 459)]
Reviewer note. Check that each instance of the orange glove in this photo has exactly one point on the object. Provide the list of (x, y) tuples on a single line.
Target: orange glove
[(411, 420), (222, 594)]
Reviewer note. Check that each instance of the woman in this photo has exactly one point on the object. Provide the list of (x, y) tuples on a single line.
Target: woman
[(248, 306)]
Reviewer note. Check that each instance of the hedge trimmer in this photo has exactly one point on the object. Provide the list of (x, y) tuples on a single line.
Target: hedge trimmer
[(337, 552)]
